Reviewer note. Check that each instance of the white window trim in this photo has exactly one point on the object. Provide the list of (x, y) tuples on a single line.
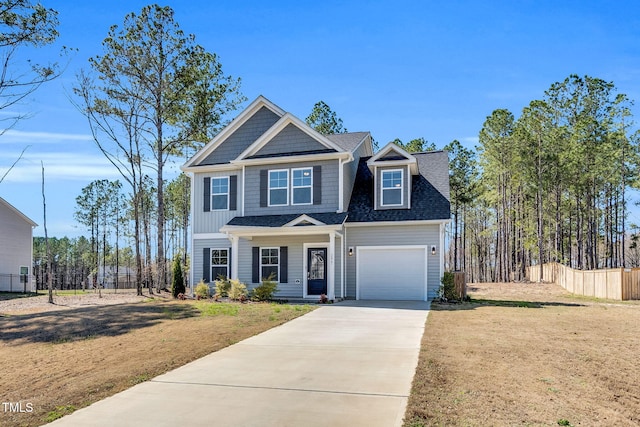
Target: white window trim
[(213, 178), (269, 265), (212, 265), (277, 188), (401, 188), (310, 186)]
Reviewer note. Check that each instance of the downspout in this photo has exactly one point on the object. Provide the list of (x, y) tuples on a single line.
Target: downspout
[(191, 216)]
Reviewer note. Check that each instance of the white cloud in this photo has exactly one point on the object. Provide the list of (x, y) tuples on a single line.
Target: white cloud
[(60, 166), (470, 140), (23, 137)]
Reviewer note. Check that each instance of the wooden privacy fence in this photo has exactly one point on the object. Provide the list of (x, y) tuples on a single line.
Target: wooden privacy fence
[(613, 283), (460, 283)]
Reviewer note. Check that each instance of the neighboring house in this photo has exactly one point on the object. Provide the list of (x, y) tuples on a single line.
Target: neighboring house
[(16, 249), (322, 213)]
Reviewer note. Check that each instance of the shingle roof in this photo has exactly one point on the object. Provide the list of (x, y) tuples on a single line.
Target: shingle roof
[(347, 141), (429, 192), (294, 153), (328, 218)]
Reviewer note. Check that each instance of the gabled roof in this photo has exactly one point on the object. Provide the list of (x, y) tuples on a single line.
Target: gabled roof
[(246, 114), (260, 132), (348, 141), (17, 212), (326, 218), (429, 197), (393, 155), (286, 120)]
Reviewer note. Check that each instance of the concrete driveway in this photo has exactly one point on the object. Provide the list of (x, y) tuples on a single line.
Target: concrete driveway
[(346, 364)]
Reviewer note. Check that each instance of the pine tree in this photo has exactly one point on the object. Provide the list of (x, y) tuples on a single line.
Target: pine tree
[(177, 283)]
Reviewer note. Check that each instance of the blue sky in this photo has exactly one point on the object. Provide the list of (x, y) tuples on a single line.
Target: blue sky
[(399, 69)]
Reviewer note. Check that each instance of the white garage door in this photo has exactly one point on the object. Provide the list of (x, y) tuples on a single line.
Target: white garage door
[(391, 273)]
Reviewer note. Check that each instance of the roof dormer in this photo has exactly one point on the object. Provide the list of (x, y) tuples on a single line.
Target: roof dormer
[(392, 168)]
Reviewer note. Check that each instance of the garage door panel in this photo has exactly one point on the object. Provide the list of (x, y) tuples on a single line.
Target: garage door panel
[(391, 273)]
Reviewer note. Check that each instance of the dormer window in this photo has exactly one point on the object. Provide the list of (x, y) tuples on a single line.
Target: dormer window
[(392, 187)]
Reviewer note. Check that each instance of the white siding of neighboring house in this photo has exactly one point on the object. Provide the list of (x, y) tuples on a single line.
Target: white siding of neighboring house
[(16, 243)]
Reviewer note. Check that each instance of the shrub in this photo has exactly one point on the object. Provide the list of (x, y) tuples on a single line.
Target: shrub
[(177, 282), (222, 287), (265, 290), (202, 290), (448, 287), (237, 291)]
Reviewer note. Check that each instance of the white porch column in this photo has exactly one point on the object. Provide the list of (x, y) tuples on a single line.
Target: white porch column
[(332, 266), (234, 256)]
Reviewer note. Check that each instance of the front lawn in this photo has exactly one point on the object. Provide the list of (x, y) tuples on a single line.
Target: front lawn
[(530, 355), (58, 361)]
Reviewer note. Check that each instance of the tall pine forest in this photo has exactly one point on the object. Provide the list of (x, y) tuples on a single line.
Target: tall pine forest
[(550, 185)]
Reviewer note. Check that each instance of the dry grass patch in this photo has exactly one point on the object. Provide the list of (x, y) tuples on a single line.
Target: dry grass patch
[(528, 355), (62, 360)]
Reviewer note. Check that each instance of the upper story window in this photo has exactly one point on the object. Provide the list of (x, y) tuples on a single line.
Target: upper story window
[(278, 187), (392, 187), (220, 193), (301, 184)]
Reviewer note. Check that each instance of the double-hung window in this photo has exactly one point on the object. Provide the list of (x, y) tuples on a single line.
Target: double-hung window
[(301, 185), (219, 263), (270, 262), (279, 187), (220, 193), (392, 187)]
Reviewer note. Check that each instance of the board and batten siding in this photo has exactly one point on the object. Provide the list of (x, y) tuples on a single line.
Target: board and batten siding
[(242, 138), (329, 189), (290, 140), (210, 222), (395, 235)]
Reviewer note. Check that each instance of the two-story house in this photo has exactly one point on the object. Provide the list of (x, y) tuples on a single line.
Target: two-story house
[(323, 214)]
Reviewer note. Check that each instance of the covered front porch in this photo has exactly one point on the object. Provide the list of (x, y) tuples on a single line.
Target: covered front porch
[(304, 255)]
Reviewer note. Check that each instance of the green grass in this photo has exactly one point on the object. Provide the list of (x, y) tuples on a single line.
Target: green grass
[(15, 295), (499, 303), (217, 309), (59, 412), (208, 308), (70, 292), (140, 378)]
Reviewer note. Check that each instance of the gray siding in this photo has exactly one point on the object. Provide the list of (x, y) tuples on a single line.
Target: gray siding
[(210, 222), (329, 189), (242, 138), (295, 261), (350, 170), (198, 246), (406, 187), (15, 247), (395, 235), (290, 140)]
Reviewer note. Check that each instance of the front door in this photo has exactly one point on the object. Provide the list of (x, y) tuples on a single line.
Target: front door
[(316, 271)]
